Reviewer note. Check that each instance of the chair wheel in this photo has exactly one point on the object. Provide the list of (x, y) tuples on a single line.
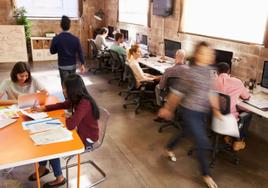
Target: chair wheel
[(136, 112), (159, 130), (211, 165), (236, 161), (109, 81), (124, 106), (190, 152), (119, 93)]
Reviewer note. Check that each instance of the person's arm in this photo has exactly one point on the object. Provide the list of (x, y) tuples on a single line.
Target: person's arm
[(244, 94), (138, 72), (61, 105), (53, 46), (167, 112), (4, 102), (81, 111), (81, 57), (103, 42), (214, 103)]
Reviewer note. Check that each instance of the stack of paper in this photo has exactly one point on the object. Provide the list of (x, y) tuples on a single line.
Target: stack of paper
[(41, 125), (35, 116), (53, 136)]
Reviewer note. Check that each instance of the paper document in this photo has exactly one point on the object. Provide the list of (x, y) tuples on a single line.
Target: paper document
[(35, 116), (7, 114), (6, 122), (55, 135), (45, 125), (26, 124), (257, 103), (228, 126)]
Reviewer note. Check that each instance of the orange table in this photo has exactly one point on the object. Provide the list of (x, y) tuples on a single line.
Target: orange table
[(17, 148)]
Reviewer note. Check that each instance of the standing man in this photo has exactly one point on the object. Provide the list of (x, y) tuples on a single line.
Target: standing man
[(235, 89), (119, 38), (67, 45)]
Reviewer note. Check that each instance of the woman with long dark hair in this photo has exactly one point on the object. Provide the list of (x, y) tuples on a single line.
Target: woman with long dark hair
[(85, 114)]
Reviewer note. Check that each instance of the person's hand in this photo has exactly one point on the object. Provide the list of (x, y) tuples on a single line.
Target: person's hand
[(38, 109), (165, 114), (124, 47), (66, 115), (217, 114), (82, 69)]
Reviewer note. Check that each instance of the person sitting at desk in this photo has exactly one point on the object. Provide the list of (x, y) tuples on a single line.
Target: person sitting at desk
[(101, 43), (133, 54), (20, 82), (85, 115), (234, 88), (119, 38), (174, 71)]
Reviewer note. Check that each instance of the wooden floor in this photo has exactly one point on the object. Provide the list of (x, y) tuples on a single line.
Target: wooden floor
[(132, 154)]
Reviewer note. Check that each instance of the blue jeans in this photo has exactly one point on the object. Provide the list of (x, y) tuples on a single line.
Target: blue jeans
[(65, 73), (195, 125), (244, 129), (55, 163)]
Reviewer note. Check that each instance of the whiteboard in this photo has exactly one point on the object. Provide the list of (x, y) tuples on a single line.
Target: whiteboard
[(12, 43)]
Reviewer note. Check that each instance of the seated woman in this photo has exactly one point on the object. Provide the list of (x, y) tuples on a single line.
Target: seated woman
[(20, 82), (133, 54), (101, 43), (85, 114)]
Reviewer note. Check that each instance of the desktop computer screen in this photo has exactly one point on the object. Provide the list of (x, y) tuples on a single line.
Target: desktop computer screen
[(125, 32), (264, 80), (171, 47), (141, 40), (110, 32), (223, 56)]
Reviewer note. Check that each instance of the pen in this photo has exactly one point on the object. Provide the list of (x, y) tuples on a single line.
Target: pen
[(53, 123), (34, 104)]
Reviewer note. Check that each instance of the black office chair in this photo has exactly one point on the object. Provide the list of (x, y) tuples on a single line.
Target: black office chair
[(117, 66), (163, 95), (225, 103), (96, 56), (141, 92)]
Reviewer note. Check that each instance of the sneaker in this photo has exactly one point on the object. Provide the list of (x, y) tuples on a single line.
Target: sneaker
[(228, 140), (239, 145)]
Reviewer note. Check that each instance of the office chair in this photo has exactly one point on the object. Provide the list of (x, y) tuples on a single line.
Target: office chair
[(142, 91), (163, 94), (225, 103), (96, 56), (117, 66), (104, 117)]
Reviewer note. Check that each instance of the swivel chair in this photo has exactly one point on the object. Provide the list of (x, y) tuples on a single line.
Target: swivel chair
[(96, 56), (117, 66), (104, 117), (225, 103), (141, 92)]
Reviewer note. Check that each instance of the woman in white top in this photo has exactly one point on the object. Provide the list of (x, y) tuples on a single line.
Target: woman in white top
[(20, 82), (133, 54)]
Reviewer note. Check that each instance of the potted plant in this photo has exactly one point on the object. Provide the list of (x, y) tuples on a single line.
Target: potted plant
[(21, 19), (50, 34)]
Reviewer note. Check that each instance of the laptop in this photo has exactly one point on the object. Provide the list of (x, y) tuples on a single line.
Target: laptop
[(28, 100)]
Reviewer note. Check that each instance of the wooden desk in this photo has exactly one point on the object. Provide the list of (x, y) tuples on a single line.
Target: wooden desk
[(261, 97), (17, 148), (154, 63)]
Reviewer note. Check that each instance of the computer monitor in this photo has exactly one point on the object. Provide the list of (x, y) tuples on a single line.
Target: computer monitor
[(141, 40), (110, 32), (125, 32), (223, 56), (171, 47), (264, 80)]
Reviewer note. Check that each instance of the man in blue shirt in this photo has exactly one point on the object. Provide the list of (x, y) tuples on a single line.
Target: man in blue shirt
[(119, 38), (67, 45)]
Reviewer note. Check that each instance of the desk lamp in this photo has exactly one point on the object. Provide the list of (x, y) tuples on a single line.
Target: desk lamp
[(99, 15)]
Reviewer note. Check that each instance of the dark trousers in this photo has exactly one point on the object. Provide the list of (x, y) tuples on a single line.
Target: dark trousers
[(65, 73), (195, 125), (244, 129), (55, 164)]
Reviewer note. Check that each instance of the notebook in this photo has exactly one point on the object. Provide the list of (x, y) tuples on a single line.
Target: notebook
[(6, 122), (28, 100)]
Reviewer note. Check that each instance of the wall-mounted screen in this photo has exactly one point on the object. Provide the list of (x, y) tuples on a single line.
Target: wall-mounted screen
[(163, 7), (171, 47)]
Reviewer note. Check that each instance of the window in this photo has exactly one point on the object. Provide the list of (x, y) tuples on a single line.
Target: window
[(134, 11), (49, 8), (240, 20)]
